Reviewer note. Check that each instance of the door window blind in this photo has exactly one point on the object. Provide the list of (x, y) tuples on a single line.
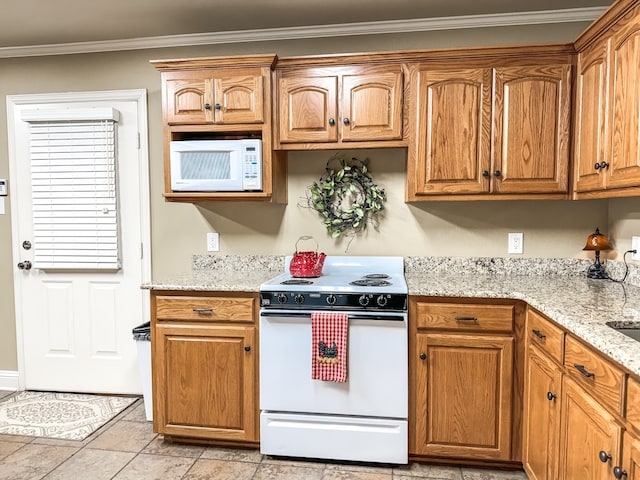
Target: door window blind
[(74, 187)]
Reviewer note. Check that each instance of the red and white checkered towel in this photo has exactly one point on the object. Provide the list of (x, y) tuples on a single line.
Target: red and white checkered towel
[(329, 346)]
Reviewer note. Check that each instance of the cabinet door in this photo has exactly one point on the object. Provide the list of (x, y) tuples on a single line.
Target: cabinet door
[(463, 395), (531, 129), (189, 99), (454, 122), (631, 458), (591, 137), (238, 98), (624, 168), (204, 382), (588, 431), (308, 109), (542, 396), (372, 106)]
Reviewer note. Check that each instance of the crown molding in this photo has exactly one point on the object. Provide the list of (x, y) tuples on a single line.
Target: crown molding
[(315, 31)]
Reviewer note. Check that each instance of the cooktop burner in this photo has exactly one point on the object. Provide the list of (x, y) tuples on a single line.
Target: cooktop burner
[(370, 282), (377, 275), (296, 281)]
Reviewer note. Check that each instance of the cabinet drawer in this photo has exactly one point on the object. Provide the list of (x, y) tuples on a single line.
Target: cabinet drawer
[(633, 403), (206, 309), (545, 335), (595, 374), (466, 317)]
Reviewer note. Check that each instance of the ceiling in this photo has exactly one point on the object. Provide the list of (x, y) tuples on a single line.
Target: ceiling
[(28, 23)]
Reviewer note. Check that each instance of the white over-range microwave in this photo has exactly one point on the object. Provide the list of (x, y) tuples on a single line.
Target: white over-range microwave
[(216, 165)]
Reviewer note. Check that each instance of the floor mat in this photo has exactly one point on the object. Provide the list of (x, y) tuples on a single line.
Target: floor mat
[(70, 416)]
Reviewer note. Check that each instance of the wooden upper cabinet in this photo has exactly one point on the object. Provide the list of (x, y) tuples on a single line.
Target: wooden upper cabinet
[(591, 117), (372, 106), (340, 104), (308, 108), (624, 168), (214, 97), (531, 129), (187, 99), (490, 131), (453, 136)]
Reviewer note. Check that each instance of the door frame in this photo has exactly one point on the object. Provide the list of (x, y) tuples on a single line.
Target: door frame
[(135, 95)]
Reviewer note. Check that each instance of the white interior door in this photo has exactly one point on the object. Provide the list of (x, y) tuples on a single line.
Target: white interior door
[(74, 326)]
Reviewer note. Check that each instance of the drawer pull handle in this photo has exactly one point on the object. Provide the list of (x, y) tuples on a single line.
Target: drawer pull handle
[(604, 456), (584, 371), (539, 334), (466, 319), (619, 473), (203, 311), (551, 396)]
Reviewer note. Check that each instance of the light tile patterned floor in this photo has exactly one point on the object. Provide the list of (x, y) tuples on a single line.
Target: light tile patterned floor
[(127, 449)]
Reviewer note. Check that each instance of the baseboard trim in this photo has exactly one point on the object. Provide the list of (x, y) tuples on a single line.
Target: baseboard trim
[(9, 380)]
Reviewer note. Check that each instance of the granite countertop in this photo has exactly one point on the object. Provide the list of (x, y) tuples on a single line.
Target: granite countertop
[(582, 306), (559, 289)]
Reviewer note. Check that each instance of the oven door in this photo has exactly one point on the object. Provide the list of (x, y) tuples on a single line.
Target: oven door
[(377, 377)]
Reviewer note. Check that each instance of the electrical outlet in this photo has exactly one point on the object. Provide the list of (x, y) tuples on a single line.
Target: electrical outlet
[(635, 245), (515, 243), (213, 242)]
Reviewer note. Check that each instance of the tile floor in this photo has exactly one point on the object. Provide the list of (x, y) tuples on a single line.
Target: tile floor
[(127, 449)]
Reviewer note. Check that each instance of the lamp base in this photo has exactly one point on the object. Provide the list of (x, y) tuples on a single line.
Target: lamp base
[(597, 271)]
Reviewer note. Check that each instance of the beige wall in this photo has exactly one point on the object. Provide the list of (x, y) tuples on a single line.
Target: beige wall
[(551, 228)]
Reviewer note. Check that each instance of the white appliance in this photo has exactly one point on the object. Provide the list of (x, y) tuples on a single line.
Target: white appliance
[(216, 165), (363, 419)]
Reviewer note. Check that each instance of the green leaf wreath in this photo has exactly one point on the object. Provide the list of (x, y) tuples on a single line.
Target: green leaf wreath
[(346, 197)]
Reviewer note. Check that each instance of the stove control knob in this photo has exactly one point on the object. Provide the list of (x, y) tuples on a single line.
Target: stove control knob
[(282, 298), (299, 298), (364, 300), (331, 299), (381, 301)]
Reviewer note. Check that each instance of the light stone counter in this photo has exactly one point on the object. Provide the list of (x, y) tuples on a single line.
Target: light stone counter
[(556, 287), (581, 305)]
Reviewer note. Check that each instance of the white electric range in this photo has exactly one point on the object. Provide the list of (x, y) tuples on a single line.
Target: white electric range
[(363, 419)]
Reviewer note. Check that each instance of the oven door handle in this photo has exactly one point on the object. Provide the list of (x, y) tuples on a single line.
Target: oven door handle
[(359, 316)]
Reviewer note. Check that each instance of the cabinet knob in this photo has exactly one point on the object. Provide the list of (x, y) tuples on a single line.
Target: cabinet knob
[(551, 396), (604, 165), (596, 166), (485, 173), (247, 348), (332, 122), (619, 473), (423, 356), (497, 173), (217, 106), (207, 106), (604, 456), (345, 120)]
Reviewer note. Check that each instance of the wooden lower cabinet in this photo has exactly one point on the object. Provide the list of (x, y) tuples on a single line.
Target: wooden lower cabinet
[(542, 397), (463, 395), (205, 370), (589, 434), (630, 469)]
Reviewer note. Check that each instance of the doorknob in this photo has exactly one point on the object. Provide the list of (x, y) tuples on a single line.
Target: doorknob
[(26, 265)]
